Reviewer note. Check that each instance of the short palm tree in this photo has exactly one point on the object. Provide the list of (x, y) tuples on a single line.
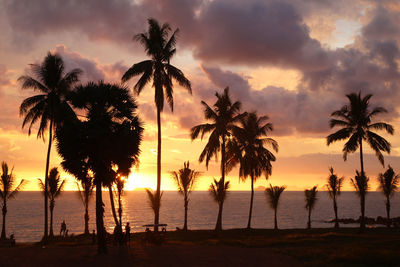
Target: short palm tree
[(311, 199), (388, 184), (356, 122), (223, 119), (185, 180), (160, 49), (7, 191), (120, 185), (273, 195), (334, 187), (219, 191), (154, 200), (85, 193), (56, 186), (360, 184), (247, 147), (50, 107)]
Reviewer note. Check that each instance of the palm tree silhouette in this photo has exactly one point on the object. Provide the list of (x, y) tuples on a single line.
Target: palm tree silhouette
[(247, 147), (55, 187), (49, 107), (185, 180), (160, 49), (388, 184), (108, 137), (84, 195), (311, 199), (273, 195), (334, 187), (120, 184), (355, 118), (360, 184), (219, 191), (7, 191), (224, 116), (154, 200), (112, 204)]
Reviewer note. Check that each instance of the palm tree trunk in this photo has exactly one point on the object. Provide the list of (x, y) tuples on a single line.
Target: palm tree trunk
[(309, 219), (388, 211), (275, 219), (157, 211), (120, 209), (335, 210), (112, 205), (46, 201), (251, 202), (362, 219), (218, 226), (3, 229), (361, 157), (86, 217), (101, 235), (51, 217), (186, 202)]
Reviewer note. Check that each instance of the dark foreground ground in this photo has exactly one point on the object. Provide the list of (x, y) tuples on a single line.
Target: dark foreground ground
[(317, 247)]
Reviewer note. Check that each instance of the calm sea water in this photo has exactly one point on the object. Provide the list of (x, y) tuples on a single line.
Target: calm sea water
[(25, 213)]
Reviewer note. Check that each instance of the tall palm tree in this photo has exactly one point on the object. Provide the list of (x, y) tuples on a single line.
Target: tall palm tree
[(120, 184), (219, 191), (273, 195), (185, 180), (247, 147), (223, 118), (112, 204), (334, 187), (355, 120), (85, 194), (160, 47), (108, 137), (50, 107), (56, 186), (311, 199), (360, 184), (7, 191), (388, 184)]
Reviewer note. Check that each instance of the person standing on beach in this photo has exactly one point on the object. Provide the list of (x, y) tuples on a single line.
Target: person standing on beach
[(128, 232)]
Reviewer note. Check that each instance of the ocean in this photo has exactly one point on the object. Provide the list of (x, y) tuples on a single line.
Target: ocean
[(25, 212)]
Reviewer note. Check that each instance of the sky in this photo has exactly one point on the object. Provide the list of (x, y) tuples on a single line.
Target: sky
[(291, 60)]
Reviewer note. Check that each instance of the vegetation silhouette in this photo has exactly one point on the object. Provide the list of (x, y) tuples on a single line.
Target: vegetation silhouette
[(334, 187), (50, 107), (154, 200), (223, 119), (388, 184), (247, 147), (120, 184), (219, 191), (85, 195), (360, 184), (311, 199), (160, 49), (112, 204), (8, 191), (273, 194), (185, 180)]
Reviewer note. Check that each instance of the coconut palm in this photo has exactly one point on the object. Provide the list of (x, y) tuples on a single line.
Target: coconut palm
[(356, 122), (120, 184), (185, 180), (311, 199), (223, 118), (49, 108), (247, 147), (108, 139), (273, 195), (388, 184), (7, 191), (85, 193), (334, 187), (218, 191), (360, 184), (160, 47), (154, 200)]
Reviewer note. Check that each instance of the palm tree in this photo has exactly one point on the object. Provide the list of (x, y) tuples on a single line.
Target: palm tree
[(85, 194), (247, 147), (355, 118), (49, 107), (120, 184), (273, 195), (185, 180), (56, 185), (360, 183), (112, 204), (388, 184), (154, 200), (223, 118), (311, 199), (7, 191), (334, 187), (218, 191), (160, 49), (108, 139)]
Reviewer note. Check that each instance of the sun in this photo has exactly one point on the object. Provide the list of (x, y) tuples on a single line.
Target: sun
[(137, 181)]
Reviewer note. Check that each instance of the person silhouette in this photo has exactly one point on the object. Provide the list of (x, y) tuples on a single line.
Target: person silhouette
[(63, 228), (128, 232)]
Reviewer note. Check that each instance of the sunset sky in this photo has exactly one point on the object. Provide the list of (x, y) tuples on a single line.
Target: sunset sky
[(291, 60)]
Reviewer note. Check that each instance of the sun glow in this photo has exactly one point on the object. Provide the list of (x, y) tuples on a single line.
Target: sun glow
[(138, 181)]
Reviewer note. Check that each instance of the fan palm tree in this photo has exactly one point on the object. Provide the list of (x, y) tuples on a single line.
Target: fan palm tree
[(311, 199), (223, 118), (49, 108), (85, 193), (273, 195), (7, 191), (108, 137), (334, 187), (160, 49), (247, 147), (388, 184), (355, 118), (218, 191), (360, 184), (185, 180)]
